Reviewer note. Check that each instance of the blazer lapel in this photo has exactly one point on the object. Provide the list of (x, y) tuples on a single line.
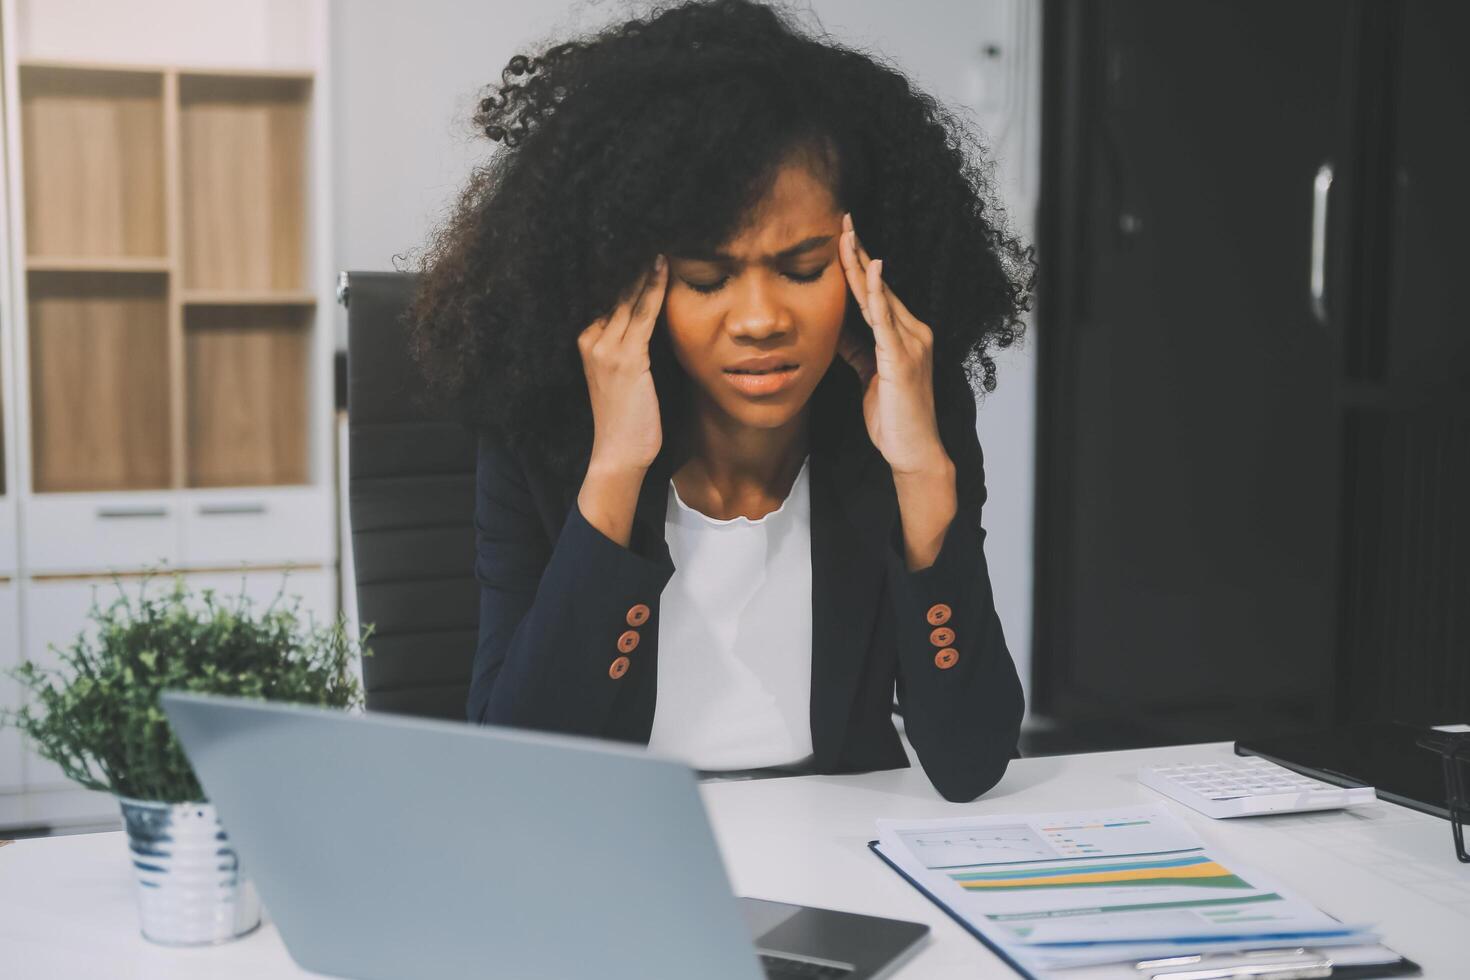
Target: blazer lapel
[(854, 505)]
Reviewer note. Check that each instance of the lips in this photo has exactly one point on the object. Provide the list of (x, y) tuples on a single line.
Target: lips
[(761, 365), (762, 381)]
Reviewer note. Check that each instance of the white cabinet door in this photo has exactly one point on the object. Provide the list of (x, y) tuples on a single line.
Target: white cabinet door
[(58, 612), (83, 533), (258, 526), (10, 765)]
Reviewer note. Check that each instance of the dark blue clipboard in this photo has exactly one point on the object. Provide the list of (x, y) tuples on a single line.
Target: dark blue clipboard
[(1403, 968)]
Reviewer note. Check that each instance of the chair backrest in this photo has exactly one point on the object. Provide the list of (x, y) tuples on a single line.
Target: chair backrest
[(411, 491)]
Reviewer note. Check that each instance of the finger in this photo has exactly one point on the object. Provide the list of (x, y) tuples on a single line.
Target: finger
[(853, 270), (905, 322), (911, 325), (645, 311), (857, 242), (886, 336), (622, 315), (591, 332), (885, 295)]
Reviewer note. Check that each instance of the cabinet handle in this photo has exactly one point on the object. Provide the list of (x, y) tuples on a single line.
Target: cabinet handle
[(1321, 185), (219, 510), (114, 513)]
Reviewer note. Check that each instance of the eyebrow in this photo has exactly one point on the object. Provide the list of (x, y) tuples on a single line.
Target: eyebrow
[(724, 258)]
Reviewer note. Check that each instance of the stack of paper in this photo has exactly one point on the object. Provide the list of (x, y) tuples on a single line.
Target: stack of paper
[(1057, 890)]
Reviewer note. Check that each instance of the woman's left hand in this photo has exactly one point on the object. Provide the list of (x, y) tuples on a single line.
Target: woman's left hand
[(897, 375)]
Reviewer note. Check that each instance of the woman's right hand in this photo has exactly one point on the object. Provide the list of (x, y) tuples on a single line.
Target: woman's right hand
[(627, 428)]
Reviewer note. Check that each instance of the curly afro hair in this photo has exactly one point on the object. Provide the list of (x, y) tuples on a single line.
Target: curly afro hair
[(659, 135)]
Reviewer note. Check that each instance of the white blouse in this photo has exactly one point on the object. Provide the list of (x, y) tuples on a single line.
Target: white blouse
[(735, 637)]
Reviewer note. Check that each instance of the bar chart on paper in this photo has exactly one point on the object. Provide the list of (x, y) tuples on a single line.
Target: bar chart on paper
[(1192, 869)]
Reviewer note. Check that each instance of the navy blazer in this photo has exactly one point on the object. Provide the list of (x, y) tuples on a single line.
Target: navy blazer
[(556, 594)]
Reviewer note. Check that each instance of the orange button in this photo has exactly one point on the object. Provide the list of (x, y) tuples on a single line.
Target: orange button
[(946, 658), (628, 642), (637, 615), (618, 668), (938, 614), (942, 637)]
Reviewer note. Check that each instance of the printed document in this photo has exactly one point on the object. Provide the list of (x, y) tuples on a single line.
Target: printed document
[(1058, 889)]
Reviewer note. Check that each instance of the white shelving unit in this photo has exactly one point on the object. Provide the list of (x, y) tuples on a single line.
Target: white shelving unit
[(165, 344), (12, 778)]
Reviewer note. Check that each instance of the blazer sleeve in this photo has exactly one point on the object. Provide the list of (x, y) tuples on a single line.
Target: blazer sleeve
[(552, 614), (958, 690)]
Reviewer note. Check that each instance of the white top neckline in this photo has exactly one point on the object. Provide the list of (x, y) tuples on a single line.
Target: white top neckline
[(741, 518)]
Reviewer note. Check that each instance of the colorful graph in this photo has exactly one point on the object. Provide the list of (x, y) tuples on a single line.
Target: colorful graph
[(1195, 870)]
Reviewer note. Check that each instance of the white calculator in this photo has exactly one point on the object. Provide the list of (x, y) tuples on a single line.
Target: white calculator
[(1245, 786)]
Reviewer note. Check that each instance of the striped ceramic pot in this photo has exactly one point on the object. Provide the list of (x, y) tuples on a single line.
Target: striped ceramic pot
[(190, 888)]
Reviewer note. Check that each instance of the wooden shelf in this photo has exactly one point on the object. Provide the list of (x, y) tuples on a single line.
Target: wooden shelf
[(99, 381), (246, 297), (243, 165), (246, 382), (78, 263), (92, 151), (170, 323)]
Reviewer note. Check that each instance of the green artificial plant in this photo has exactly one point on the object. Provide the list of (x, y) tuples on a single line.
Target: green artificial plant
[(97, 716)]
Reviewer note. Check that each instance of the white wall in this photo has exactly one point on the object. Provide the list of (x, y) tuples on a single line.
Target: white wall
[(407, 77)]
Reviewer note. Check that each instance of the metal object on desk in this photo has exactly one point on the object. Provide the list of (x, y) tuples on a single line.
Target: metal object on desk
[(1257, 964), (190, 889), (1454, 748)]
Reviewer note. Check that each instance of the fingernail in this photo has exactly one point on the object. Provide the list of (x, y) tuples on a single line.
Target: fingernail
[(658, 263)]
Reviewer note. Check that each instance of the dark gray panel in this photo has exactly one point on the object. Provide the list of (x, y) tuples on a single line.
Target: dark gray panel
[(411, 491)]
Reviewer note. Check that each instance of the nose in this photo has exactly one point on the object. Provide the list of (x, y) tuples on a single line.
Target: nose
[(756, 311)]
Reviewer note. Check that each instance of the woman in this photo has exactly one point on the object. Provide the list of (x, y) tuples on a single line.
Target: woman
[(729, 485)]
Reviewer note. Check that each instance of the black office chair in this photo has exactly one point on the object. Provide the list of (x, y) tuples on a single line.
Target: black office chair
[(411, 490)]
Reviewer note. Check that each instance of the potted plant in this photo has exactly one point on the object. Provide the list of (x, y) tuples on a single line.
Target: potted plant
[(97, 717)]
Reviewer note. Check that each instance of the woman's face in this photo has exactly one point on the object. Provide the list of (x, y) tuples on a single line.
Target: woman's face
[(776, 292)]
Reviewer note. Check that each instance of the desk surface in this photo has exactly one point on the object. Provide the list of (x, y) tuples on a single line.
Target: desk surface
[(66, 903)]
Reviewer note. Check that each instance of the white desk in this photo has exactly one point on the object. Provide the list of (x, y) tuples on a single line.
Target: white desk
[(66, 903)]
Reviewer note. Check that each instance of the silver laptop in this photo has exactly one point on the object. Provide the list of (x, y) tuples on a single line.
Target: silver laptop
[(385, 846)]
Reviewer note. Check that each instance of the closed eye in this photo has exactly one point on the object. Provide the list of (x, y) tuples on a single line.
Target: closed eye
[(716, 286)]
